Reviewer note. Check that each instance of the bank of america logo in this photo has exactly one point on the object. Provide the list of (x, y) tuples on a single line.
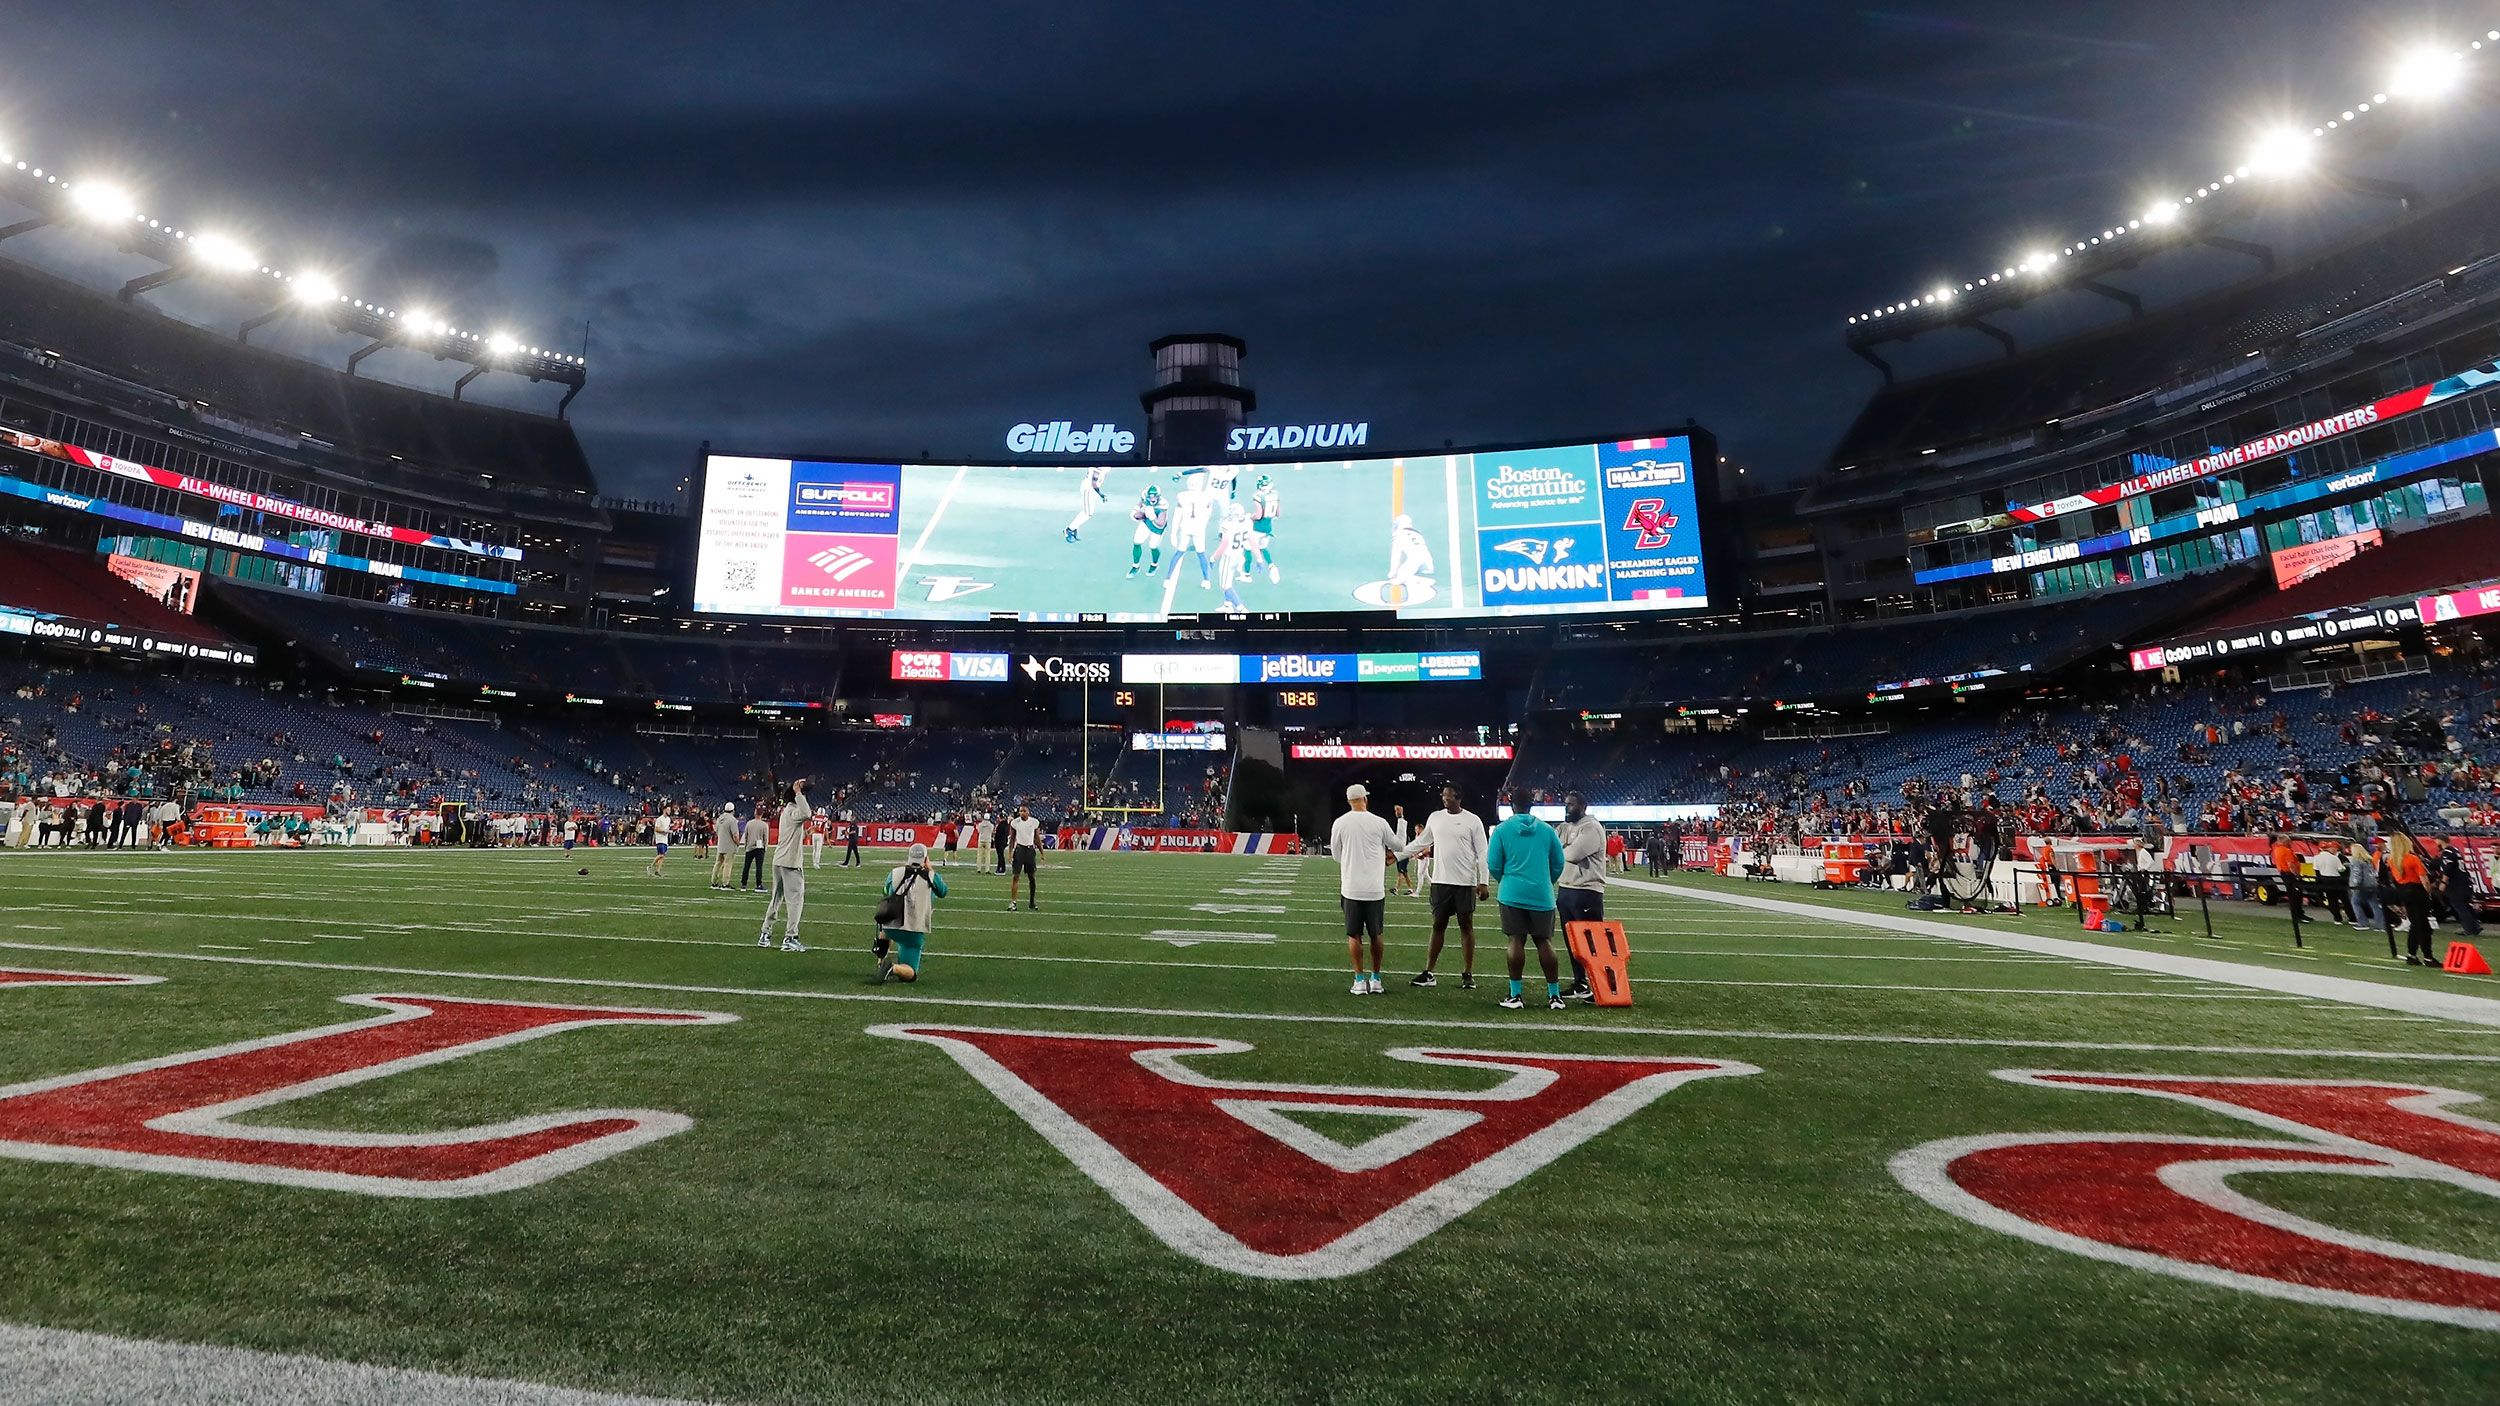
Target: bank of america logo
[(841, 563)]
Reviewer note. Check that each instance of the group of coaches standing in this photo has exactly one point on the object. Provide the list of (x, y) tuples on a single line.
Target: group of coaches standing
[(1533, 872)]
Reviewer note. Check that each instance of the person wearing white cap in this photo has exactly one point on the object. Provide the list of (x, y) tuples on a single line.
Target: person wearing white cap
[(905, 915), (724, 843), (1362, 844)]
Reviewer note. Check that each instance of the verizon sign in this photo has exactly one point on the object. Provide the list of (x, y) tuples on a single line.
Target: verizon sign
[(1397, 752)]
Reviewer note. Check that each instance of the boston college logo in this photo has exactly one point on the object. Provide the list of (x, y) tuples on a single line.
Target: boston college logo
[(1224, 1173), (184, 1113), (2165, 1203)]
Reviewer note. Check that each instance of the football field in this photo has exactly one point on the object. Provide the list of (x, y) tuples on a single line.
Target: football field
[(349, 1120)]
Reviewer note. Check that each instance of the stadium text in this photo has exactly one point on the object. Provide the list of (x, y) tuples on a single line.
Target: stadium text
[(1063, 437), (1254, 439)]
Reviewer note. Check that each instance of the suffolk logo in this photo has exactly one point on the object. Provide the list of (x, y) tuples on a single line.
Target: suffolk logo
[(841, 563), (1225, 1173), (1649, 517), (1536, 549), (864, 497)]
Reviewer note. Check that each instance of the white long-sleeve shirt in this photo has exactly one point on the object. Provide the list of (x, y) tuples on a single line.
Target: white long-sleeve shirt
[(794, 818), (1457, 839), (1584, 854), (1362, 844)]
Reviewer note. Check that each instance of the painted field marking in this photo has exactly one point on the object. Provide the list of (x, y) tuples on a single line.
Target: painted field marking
[(1220, 908), (288, 941), (1191, 937), (1508, 1027), (2446, 1005)]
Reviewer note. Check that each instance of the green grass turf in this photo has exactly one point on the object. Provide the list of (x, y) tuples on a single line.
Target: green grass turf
[(853, 1218)]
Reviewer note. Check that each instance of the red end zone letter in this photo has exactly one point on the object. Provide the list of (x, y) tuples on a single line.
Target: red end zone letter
[(178, 1113), (1224, 1174), (2165, 1203)]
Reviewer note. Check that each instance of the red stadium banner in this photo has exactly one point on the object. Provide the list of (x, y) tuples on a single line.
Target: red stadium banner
[(245, 498), (2265, 446), (2458, 605)]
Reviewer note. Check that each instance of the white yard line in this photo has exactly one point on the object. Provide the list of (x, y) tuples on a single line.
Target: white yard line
[(55, 1364), (911, 558), (2479, 1011), (893, 997)]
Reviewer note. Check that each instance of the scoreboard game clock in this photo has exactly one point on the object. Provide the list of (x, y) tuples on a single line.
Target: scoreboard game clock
[(1297, 698)]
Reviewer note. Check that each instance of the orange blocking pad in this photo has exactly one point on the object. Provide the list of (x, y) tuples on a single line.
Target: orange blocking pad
[(2463, 959), (1603, 949)]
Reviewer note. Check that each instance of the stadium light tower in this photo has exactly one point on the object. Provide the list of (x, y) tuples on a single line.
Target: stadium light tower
[(103, 202), (2281, 152)]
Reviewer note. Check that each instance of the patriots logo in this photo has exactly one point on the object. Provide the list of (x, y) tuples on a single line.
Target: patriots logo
[(1536, 549)]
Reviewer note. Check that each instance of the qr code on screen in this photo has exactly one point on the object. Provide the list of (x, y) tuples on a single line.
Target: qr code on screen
[(742, 577)]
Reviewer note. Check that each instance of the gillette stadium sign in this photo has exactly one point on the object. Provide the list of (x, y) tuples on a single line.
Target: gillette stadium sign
[(1063, 437)]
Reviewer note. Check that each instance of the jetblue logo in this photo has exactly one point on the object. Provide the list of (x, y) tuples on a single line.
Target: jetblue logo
[(1297, 666)]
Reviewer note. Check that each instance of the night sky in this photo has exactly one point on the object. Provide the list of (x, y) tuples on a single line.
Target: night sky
[(902, 228)]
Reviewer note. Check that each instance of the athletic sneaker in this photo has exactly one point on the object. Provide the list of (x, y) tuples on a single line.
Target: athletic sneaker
[(1011, 905), (885, 965), (1558, 1004), (1579, 991), (1376, 988), (1359, 988), (1273, 577), (1425, 979), (1467, 981), (1512, 1003), (792, 944), (765, 941)]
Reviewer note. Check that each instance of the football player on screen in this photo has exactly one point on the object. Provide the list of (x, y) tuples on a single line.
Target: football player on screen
[(1232, 555), (1263, 504), (1153, 519), (1410, 559), (1195, 511), (1088, 493)]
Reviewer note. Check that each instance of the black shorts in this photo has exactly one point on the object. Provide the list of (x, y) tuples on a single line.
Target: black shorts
[(1362, 916), (1025, 861), (950, 842), (1537, 923), (1453, 901), (1581, 905)]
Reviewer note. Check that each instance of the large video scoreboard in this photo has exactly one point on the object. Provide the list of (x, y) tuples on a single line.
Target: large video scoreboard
[(1615, 526)]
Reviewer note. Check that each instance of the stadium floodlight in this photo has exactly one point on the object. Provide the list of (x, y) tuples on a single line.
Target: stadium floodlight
[(103, 202), (2162, 212), (2427, 73), (315, 289), (419, 322), (2039, 259), (222, 252), (502, 343), (2281, 152)]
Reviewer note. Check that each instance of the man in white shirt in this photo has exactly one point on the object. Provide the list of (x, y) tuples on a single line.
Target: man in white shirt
[(1452, 854), (1362, 845), (659, 842), (724, 842), (758, 837), (1025, 865), (789, 880), (1580, 894)]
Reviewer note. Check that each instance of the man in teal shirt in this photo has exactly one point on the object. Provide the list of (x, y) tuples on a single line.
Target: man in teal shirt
[(1523, 859)]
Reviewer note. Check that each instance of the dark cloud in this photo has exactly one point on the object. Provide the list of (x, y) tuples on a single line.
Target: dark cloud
[(897, 228)]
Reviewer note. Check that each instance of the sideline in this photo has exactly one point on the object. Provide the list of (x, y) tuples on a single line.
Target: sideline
[(2444, 1005)]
